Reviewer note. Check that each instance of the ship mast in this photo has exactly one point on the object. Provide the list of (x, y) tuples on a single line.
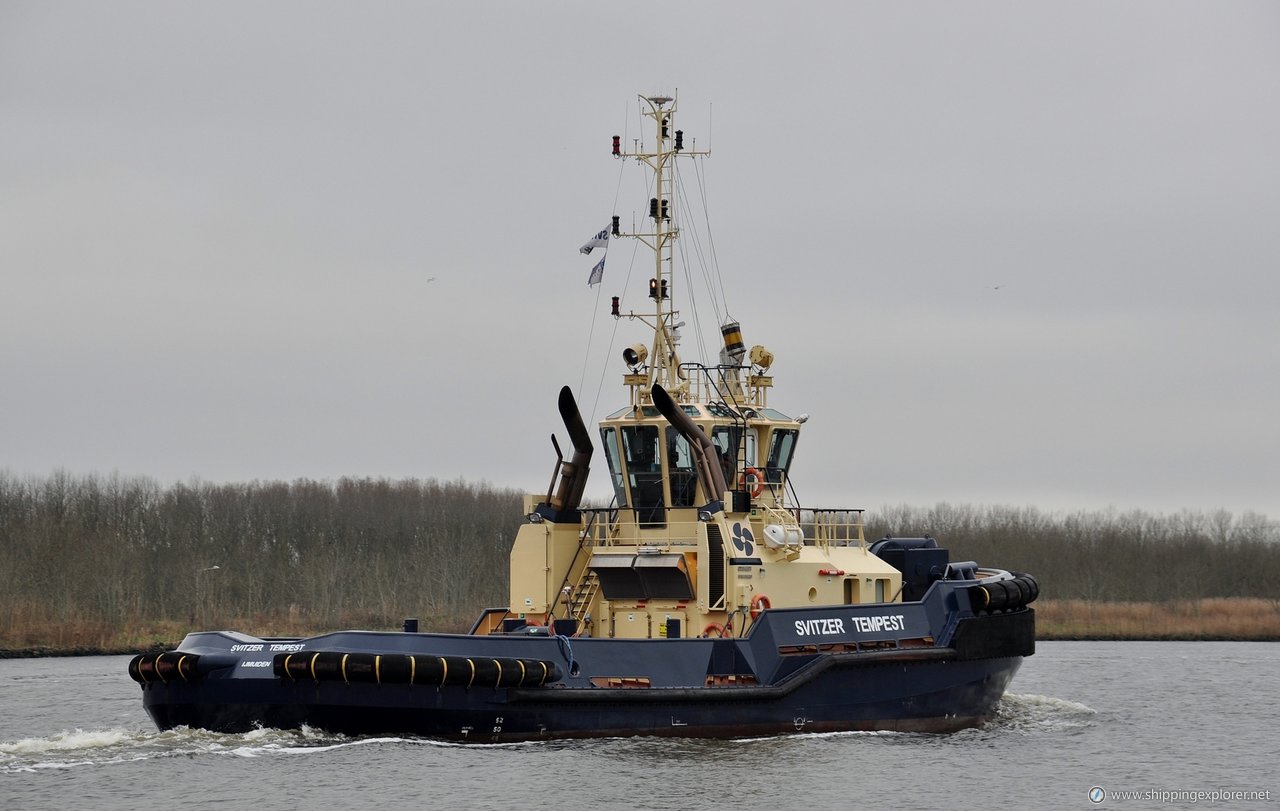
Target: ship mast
[(664, 360)]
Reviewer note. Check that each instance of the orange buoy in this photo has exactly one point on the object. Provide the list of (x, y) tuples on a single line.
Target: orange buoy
[(759, 604), (752, 481)]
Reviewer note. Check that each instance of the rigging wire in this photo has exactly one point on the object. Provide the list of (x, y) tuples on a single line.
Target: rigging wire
[(635, 249), (695, 240), (693, 308), (626, 284), (709, 269), (691, 251), (595, 309), (591, 334), (711, 241)]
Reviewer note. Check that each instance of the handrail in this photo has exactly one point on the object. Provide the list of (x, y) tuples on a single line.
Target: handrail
[(827, 525), (583, 536), (779, 515), (674, 533)]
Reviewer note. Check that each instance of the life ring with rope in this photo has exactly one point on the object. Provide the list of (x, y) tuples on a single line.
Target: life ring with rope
[(759, 605), (749, 475), (714, 629)]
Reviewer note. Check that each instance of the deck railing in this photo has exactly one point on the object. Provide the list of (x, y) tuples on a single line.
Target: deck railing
[(820, 526), (832, 526)]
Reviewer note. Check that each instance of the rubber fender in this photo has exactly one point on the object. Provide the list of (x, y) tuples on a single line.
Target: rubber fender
[(979, 598), (164, 667), (1016, 596), (999, 596), (1023, 591), (1004, 595), (400, 668), (1013, 593), (1033, 586)]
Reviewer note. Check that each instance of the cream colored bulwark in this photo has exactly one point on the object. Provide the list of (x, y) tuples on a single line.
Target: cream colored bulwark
[(530, 589), (630, 622)]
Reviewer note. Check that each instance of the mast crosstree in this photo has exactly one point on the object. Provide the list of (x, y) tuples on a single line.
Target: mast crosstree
[(663, 355)]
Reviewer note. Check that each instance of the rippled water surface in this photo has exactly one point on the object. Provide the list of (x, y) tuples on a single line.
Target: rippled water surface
[(1125, 716)]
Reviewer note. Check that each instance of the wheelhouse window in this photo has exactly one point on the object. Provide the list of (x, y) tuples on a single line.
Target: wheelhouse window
[(614, 457), (728, 442), (642, 451), (684, 474), (782, 445)]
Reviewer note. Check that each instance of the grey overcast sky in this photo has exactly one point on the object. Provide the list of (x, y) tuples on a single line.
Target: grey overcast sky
[(1015, 253)]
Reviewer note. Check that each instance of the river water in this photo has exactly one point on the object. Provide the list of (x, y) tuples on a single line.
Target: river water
[(1123, 716)]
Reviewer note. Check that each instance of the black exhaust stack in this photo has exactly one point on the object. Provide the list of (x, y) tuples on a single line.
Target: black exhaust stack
[(563, 506), (704, 451)]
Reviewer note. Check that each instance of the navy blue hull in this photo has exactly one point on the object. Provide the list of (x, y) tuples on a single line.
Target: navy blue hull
[(679, 687), (929, 697)]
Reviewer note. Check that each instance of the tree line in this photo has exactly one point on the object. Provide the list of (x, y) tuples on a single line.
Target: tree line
[(1106, 555), (113, 551), (128, 551)]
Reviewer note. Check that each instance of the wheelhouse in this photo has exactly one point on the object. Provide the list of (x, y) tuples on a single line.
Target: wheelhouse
[(653, 469)]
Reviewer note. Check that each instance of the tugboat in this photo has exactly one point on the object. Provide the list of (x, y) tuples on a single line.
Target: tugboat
[(704, 601)]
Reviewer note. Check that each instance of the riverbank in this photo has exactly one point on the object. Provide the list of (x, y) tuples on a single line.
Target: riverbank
[(95, 639), (1221, 619)]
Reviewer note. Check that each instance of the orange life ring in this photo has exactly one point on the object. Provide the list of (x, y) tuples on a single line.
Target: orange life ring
[(532, 621), (759, 604), (747, 475), (714, 629)]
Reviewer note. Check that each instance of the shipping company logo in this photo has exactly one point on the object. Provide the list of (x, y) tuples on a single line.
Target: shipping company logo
[(1096, 795), (743, 540)]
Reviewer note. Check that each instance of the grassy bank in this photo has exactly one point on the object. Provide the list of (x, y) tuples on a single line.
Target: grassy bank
[(1234, 618), (1221, 619), (91, 638), (108, 563)]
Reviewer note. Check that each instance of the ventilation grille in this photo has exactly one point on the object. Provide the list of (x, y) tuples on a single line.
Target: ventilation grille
[(715, 574)]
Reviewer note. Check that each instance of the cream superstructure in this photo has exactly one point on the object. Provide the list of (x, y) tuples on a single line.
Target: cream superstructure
[(704, 531)]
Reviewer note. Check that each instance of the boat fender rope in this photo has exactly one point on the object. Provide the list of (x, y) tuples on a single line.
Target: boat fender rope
[(566, 650), (344, 669), (497, 682), (472, 680), (286, 667), (413, 669)]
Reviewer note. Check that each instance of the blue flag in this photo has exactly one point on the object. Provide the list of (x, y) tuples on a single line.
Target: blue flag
[(597, 272)]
